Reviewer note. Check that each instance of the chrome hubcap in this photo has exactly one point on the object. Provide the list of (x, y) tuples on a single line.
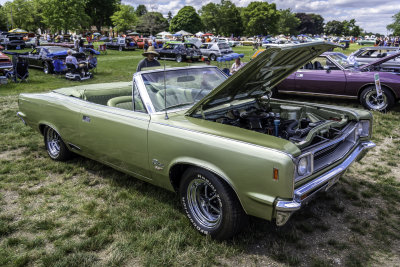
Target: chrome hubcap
[(374, 101), (204, 203), (53, 142)]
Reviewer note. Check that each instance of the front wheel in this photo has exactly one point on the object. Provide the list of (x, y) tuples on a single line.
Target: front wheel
[(213, 57), (120, 48), (46, 68), (178, 58), (370, 99), (210, 204), (55, 146)]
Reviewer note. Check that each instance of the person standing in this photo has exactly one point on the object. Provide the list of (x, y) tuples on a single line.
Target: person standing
[(149, 60), (236, 65), (81, 44)]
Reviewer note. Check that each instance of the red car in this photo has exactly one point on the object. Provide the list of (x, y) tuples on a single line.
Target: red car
[(141, 41), (5, 64)]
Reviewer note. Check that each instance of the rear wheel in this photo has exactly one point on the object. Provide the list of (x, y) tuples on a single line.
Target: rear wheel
[(55, 146), (370, 99), (178, 58), (212, 57), (120, 48), (210, 204)]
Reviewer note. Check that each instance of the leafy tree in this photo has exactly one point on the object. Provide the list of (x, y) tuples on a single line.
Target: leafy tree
[(310, 23), (229, 19), (3, 18), (395, 26), (124, 18), (334, 27), (288, 22), (100, 11), (22, 14), (210, 15), (65, 15), (152, 22), (187, 19), (260, 18), (141, 10), (169, 17)]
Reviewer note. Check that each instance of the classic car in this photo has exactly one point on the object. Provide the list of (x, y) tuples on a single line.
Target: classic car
[(121, 44), (221, 143), (332, 75), (42, 57), (141, 41), (5, 64), (215, 50), (366, 41), (179, 51), (31, 42), (12, 41), (367, 55)]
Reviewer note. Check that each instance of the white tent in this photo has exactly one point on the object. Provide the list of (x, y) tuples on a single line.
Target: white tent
[(164, 34), (199, 34), (182, 32)]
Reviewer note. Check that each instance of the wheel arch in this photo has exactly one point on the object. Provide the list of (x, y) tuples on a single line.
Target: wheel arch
[(373, 84), (177, 170)]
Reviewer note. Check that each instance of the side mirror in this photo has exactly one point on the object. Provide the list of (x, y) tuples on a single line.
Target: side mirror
[(327, 68)]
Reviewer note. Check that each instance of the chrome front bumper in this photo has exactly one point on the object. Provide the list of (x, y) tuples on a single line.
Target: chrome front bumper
[(285, 208)]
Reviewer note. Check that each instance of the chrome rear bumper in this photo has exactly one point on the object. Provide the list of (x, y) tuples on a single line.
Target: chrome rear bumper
[(285, 208)]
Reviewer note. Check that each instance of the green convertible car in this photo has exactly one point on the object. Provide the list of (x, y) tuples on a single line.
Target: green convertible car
[(225, 146)]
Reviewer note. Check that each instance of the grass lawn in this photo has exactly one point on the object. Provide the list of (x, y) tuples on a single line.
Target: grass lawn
[(82, 213)]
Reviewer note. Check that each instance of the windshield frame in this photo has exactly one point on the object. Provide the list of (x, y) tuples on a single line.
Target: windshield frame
[(138, 77)]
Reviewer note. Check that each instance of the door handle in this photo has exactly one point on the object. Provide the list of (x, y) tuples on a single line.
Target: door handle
[(86, 118)]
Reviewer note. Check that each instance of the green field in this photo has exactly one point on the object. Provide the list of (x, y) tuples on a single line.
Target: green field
[(82, 213)]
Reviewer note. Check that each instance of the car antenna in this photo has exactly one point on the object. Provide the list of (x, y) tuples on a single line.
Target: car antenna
[(165, 96)]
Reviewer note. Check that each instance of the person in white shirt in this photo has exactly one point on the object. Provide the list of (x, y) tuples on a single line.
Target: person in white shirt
[(71, 59), (236, 65)]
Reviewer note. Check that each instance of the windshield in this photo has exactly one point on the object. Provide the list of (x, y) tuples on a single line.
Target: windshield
[(54, 49), (183, 87), (344, 61), (223, 46)]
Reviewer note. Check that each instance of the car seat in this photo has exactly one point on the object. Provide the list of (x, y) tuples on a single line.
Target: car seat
[(318, 66), (308, 66)]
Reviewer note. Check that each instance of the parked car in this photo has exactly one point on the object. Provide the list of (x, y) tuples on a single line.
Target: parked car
[(31, 42), (122, 44), (331, 75), (366, 55), (5, 64), (42, 57), (222, 144), (214, 50), (12, 41), (179, 51), (141, 41), (366, 41)]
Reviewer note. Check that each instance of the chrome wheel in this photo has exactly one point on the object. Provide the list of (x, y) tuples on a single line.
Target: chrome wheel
[(178, 58), (46, 68), (204, 203), (53, 142), (376, 102)]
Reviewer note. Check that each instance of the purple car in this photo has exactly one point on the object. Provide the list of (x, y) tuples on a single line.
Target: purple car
[(333, 74)]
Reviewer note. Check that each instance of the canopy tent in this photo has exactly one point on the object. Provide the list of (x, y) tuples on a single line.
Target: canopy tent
[(164, 33), (177, 34), (17, 30), (182, 32), (199, 34)]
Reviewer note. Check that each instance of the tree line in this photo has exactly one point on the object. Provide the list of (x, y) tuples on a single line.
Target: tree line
[(224, 18)]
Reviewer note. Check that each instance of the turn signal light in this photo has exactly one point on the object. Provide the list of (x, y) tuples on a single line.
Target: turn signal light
[(276, 174)]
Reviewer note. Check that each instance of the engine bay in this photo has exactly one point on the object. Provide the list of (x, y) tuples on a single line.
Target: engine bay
[(302, 125)]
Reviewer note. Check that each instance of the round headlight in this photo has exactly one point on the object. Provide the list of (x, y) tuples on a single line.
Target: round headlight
[(302, 166)]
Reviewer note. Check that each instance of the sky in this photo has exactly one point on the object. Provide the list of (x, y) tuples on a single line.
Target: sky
[(371, 15)]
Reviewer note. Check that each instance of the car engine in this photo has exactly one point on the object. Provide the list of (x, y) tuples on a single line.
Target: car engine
[(293, 123)]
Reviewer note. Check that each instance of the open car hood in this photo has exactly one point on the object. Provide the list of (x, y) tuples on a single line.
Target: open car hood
[(380, 61), (262, 73)]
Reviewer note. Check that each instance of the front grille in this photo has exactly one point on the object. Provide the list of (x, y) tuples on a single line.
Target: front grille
[(335, 150)]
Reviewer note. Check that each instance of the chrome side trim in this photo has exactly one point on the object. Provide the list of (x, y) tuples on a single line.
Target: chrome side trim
[(19, 115), (305, 192), (317, 94)]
